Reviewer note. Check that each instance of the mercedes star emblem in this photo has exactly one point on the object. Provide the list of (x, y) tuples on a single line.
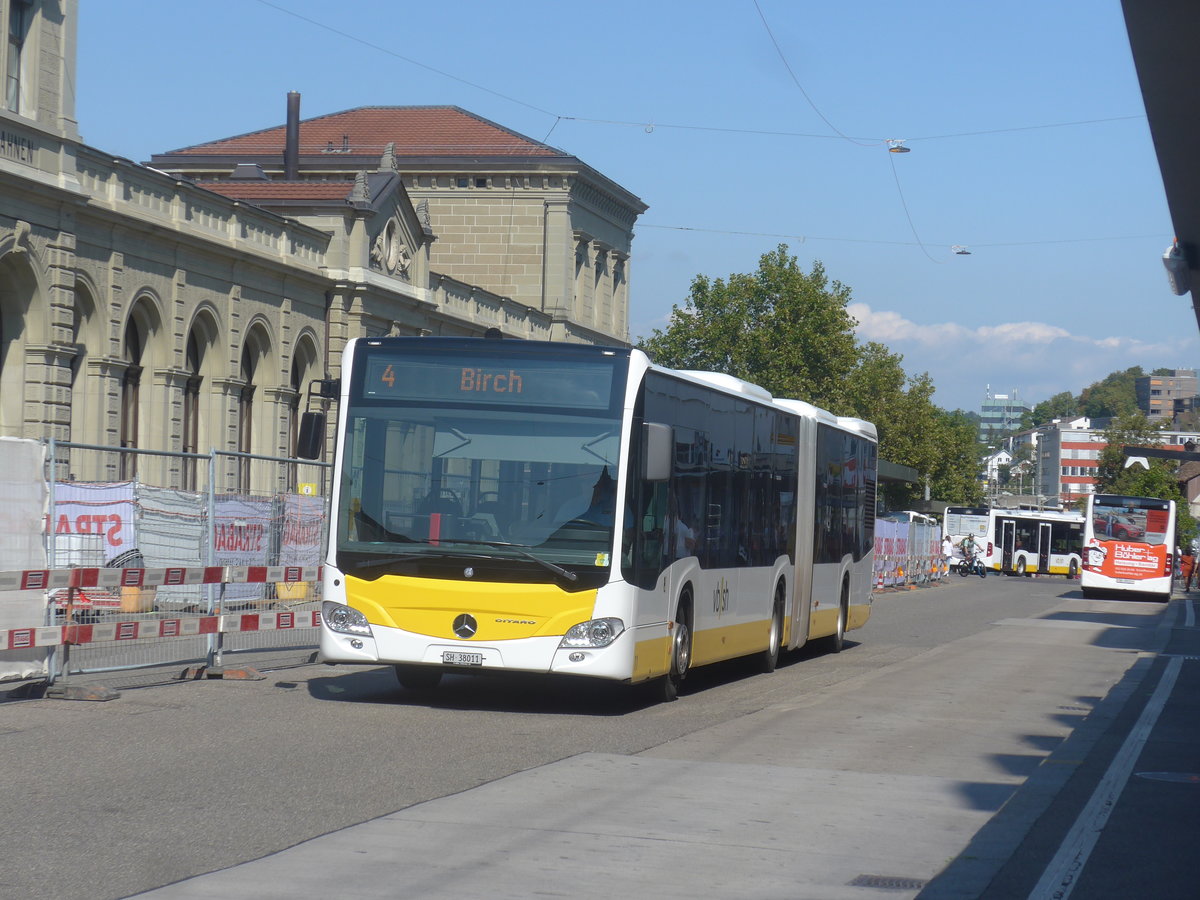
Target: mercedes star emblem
[(465, 626)]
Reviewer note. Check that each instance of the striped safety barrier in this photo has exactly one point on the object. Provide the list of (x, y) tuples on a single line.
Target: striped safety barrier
[(50, 579), (76, 633), (106, 578)]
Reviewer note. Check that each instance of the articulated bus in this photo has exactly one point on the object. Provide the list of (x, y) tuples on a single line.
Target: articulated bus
[(522, 506), (1027, 541), (1127, 546)]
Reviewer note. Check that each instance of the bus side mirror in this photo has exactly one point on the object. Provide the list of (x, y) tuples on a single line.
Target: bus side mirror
[(660, 447), (311, 436)]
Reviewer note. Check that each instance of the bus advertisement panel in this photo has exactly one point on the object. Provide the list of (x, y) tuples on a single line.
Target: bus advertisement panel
[(1128, 545), (505, 505)]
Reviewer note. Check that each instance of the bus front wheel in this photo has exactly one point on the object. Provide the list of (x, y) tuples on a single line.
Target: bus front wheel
[(418, 678), (681, 652)]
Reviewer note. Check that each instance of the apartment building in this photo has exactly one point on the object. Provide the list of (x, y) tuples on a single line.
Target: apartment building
[(1168, 396)]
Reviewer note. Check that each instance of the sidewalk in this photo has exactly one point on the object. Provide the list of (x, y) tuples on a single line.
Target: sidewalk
[(1120, 819)]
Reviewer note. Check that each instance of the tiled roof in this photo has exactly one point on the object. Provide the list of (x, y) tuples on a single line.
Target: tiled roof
[(414, 130), (280, 190)]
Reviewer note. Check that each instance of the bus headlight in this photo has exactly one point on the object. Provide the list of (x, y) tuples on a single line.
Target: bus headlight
[(595, 633), (344, 619)]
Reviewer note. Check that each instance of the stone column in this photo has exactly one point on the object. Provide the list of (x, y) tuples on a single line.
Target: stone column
[(558, 258)]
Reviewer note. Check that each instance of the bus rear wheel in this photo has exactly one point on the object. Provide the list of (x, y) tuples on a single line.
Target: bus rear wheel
[(769, 658), (837, 641)]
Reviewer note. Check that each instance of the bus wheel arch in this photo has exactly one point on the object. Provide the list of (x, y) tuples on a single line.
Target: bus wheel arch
[(681, 647), (768, 659), (837, 640)]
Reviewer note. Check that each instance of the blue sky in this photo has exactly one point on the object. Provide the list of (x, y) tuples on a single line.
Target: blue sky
[(744, 125)]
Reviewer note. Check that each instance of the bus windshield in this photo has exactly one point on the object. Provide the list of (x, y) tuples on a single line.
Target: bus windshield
[(439, 466), (1126, 519)]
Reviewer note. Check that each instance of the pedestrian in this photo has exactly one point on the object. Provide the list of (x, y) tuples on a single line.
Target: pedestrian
[(1187, 568)]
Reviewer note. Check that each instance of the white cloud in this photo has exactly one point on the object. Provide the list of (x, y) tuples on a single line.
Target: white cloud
[(1036, 358)]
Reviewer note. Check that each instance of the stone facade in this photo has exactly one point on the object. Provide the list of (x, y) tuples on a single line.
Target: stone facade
[(511, 215), (146, 310)]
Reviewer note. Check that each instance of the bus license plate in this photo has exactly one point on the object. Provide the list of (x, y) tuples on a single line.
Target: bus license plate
[(456, 658)]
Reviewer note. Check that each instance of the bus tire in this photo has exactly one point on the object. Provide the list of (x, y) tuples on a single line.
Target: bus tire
[(418, 678), (681, 651), (1019, 568), (769, 658), (1073, 570), (837, 641)]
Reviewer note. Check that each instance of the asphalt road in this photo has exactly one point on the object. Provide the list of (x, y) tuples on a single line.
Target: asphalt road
[(878, 763)]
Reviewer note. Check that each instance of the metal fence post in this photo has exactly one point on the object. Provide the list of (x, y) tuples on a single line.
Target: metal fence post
[(52, 657), (211, 555)]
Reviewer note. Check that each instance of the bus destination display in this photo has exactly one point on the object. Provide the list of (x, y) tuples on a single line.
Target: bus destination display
[(494, 380)]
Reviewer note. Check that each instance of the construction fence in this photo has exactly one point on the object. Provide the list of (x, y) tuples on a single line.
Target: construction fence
[(908, 552), (138, 576)]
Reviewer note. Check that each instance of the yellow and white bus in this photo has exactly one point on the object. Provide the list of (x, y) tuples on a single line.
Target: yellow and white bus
[(508, 505), (1034, 541), (1128, 546)]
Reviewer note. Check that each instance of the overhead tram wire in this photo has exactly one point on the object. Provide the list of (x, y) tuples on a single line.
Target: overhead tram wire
[(649, 127), (860, 141), (806, 238), (894, 146), (800, 87), (407, 59)]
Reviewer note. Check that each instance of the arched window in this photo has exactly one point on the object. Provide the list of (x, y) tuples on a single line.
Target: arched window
[(191, 409), (131, 382), (246, 416)]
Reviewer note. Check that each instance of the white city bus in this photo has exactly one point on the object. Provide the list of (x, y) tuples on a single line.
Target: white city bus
[(957, 523), (1029, 541), (507, 505), (1127, 545)]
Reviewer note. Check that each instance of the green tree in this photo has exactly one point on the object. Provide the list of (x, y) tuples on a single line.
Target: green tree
[(780, 327), (789, 331), (1063, 405), (1133, 430), (1115, 395)]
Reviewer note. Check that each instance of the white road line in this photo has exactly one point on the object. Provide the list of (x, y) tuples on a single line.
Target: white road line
[(1062, 873)]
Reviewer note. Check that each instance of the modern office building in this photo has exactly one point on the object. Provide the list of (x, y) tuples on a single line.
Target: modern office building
[(1000, 415), (1068, 455)]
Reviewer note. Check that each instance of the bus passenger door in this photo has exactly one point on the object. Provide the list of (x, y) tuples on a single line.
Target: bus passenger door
[(1008, 536), (1044, 544)]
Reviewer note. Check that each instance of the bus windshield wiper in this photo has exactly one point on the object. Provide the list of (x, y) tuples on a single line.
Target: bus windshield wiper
[(390, 560), (505, 545)]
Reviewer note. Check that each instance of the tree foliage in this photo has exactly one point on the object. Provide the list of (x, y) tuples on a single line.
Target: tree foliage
[(1063, 405), (1113, 396), (790, 332)]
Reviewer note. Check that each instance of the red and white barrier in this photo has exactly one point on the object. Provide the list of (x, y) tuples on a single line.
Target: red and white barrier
[(157, 629), (49, 579)]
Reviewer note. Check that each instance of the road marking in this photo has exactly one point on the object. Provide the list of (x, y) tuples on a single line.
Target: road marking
[(1062, 873)]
